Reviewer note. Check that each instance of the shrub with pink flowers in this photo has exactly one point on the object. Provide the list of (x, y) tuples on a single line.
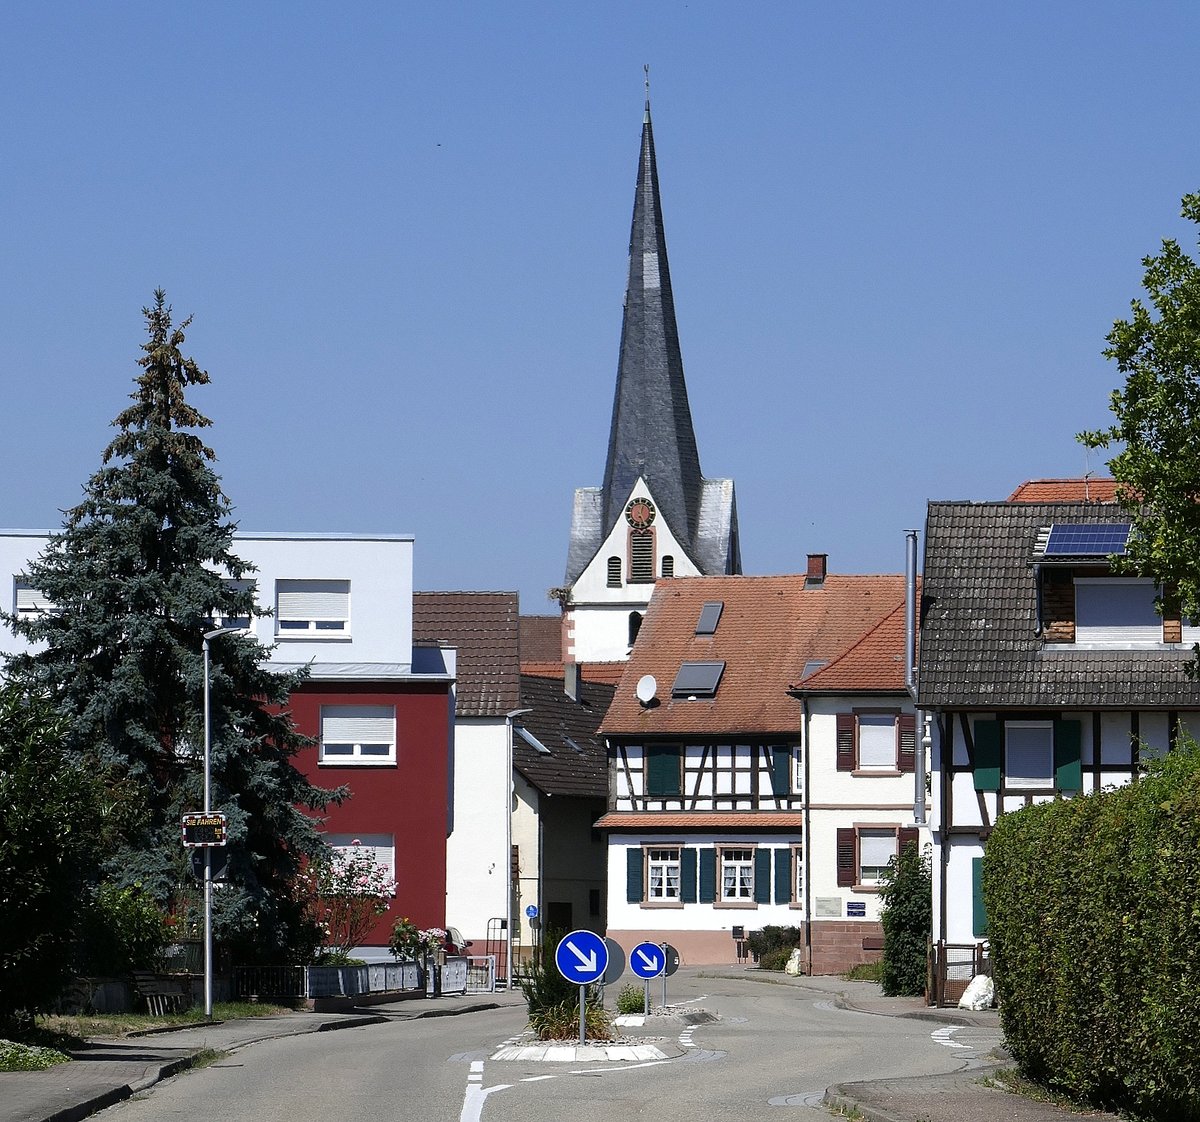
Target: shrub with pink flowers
[(409, 941), (348, 891)]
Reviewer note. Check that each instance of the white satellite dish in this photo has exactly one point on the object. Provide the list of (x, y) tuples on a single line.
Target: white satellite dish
[(647, 688)]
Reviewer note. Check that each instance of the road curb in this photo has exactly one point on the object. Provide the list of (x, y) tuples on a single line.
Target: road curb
[(837, 1098)]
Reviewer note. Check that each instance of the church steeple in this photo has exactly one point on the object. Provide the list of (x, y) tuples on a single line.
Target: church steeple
[(651, 435)]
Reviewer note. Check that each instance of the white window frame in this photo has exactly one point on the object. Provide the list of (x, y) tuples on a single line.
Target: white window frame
[(32, 603), (739, 860), (357, 746), (873, 742), (663, 862), (1114, 617), (239, 623), (1018, 773), (310, 608), (881, 836)]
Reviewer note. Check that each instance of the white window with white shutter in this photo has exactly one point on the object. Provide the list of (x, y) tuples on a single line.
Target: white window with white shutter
[(312, 609), (358, 734), (28, 601)]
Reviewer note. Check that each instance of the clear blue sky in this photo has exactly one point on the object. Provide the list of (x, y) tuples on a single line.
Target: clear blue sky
[(898, 235)]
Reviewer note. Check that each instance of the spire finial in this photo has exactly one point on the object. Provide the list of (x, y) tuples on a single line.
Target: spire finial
[(646, 69)]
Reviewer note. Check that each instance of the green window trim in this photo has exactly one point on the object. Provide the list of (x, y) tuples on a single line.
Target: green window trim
[(708, 875), (762, 876), (989, 751), (1068, 756), (781, 770), (663, 776), (978, 911), (635, 875), (687, 875), (783, 876)]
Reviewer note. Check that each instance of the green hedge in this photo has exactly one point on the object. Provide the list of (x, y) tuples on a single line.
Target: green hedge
[(1094, 923)]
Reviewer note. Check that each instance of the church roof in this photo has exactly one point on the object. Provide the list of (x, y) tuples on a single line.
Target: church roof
[(651, 436)]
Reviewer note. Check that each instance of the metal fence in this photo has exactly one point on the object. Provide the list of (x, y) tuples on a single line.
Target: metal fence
[(481, 973), (457, 975)]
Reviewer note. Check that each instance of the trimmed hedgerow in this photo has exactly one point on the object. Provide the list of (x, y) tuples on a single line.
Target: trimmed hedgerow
[(1094, 926), (773, 938)]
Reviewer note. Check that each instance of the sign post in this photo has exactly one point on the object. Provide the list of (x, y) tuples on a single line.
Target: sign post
[(670, 965), (647, 960), (582, 958)]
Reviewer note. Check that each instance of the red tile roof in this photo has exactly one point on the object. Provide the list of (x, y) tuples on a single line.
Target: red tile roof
[(1065, 491), (607, 672), (769, 629), (541, 638), (875, 664), (720, 819)]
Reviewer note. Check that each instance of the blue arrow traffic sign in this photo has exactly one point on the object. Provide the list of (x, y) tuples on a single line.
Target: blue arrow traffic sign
[(581, 957), (647, 960)]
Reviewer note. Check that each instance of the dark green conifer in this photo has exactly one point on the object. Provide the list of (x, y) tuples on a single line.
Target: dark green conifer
[(138, 573)]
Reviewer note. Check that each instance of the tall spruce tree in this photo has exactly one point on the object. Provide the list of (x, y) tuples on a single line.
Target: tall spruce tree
[(141, 568)]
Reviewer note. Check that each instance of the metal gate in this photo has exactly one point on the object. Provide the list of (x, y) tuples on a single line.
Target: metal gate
[(951, 968)]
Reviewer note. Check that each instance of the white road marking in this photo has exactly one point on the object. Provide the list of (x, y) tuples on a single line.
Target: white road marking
[(942, 1036), (476, 1093)]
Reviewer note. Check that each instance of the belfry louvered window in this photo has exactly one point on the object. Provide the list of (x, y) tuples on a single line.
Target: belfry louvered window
[(641, 556), (614, 572)]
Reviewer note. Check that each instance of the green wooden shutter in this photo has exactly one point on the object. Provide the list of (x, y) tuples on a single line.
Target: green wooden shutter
[(708, 876), (783, 876), (634, 875), (762, 876), (989, 741), (1068, 768), (978, 912), (662, 769), (687, 875), (781, 771)]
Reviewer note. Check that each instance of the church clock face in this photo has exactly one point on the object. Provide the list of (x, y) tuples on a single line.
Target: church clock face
[(639, 513)]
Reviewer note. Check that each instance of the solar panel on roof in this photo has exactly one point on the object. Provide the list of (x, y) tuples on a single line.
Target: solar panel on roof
[(1095, 539)]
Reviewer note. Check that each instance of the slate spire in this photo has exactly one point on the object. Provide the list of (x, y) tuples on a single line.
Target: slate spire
[(651, 432)]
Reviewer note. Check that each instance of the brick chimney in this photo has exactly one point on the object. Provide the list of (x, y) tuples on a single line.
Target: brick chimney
[(818, 564)]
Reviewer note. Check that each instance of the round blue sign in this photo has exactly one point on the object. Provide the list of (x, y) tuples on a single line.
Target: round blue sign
[(581, 957), (647, 960), (531, 911)]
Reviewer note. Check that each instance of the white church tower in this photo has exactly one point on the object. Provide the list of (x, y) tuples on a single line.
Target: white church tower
[(655, 516)]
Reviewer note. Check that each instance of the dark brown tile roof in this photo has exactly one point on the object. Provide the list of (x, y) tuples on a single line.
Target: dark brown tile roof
[(1065, 491), (541, 639), (483, 626), (576, 763), (716, 820), (979, 645), (770, 627)]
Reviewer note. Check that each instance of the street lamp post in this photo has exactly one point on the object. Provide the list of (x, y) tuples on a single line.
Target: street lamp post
[(208, 967)]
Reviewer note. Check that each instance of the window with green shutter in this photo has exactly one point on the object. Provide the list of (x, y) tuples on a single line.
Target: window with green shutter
[(989, 746), (708, 875), (783, 876), (781, 770), (1068, 766), (687, 875), (634, 875), (978, 912), (762, 876), (662, 770)]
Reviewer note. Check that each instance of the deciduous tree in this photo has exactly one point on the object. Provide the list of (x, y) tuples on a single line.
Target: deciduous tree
[(1157, 428)]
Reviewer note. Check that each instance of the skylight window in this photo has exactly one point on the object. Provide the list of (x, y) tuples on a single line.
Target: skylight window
[(531, 740), (710, 616), (698, 679)]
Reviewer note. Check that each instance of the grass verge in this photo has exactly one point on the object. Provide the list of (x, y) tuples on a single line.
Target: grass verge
[(72, 1029)]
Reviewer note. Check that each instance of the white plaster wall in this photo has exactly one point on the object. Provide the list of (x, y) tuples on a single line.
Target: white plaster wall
[(600, 615), (525, 835), (477, 862), (962, 852), (623, 915), (379, 569), (827, 784)]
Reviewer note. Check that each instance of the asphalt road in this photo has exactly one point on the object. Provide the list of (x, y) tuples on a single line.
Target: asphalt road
[(737, 1049)]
